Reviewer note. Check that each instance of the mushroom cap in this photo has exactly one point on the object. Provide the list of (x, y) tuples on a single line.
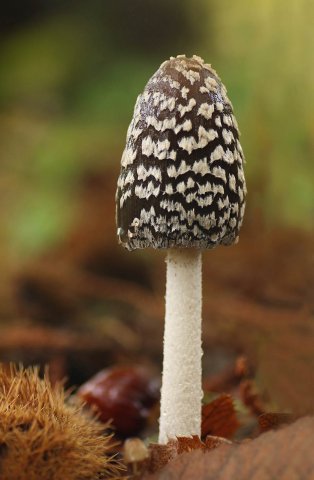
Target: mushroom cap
[(181, 182)]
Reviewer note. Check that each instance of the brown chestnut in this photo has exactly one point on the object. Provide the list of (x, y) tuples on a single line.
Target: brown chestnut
[(125, 395)]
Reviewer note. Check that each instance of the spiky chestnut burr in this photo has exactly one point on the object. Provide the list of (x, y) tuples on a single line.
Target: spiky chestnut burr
[(44, 436)]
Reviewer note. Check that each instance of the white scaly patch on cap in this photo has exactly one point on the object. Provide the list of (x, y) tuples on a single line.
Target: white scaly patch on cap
[(186, 126), (128, 156), (227, 136), (143, 173), (204, 137), (206, 110), (183, 109), (145, 192), (158, 149)]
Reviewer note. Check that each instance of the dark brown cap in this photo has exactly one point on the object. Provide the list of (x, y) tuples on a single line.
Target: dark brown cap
[(181, 182)]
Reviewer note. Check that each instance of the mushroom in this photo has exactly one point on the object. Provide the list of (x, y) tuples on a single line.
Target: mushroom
[(181, 188), (135, 453)]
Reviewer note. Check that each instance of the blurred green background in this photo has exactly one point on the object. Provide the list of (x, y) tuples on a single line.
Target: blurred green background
[(70, 72)]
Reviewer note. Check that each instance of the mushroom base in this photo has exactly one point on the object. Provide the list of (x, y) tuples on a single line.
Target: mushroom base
[(181, 393)]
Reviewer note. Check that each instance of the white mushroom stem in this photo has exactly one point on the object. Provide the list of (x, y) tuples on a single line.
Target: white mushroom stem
[(181, 392)]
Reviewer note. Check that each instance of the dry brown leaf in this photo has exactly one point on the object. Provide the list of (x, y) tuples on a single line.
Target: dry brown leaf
[(187, 444), (286, 454), (219, 417), (160, 455), (213, 442), (251, 398), (271, 421), (271, 322), (229, 378)]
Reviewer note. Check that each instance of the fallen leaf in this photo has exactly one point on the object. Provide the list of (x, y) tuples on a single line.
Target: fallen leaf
[(187, 444), (212, 441), (286, 454), (229, 378), (160, 455), (219, 417), (251, 398), (271, 421)]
